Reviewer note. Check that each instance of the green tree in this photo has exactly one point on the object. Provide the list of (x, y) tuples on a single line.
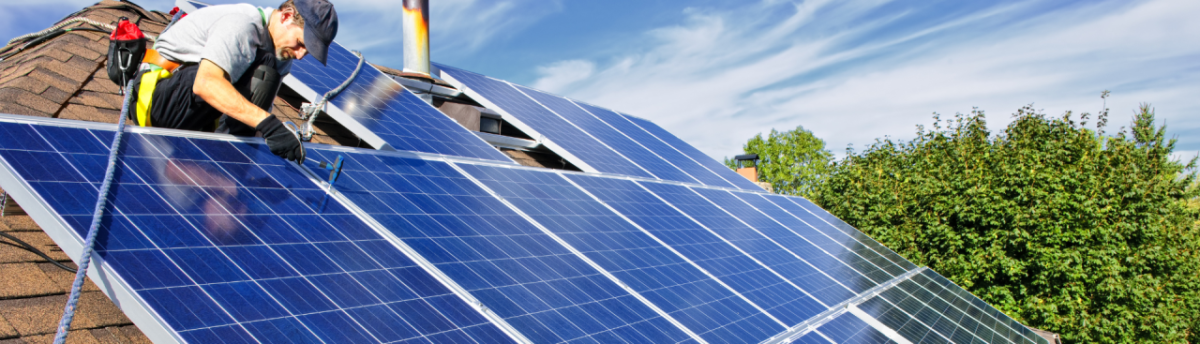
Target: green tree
[(1060, 226), (794, 161)]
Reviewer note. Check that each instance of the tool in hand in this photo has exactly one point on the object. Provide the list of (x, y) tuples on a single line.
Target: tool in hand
[(335, 171)]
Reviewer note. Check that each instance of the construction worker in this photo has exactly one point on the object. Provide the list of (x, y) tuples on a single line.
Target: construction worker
[(229, 59)]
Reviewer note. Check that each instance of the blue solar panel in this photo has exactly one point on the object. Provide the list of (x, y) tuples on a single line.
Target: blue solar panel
[(222, 240), (537, 285), (853, 254), (385, 109), (701, 158), (754, 281), (835, 228), (574, 141), (803, 274), (628, 148), (660, 148), (662, 276), (850, 269)]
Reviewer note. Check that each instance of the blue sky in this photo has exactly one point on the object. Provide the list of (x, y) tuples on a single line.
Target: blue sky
[(717, 72)]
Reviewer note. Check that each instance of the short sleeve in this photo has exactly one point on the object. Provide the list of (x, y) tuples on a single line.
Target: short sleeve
[(232, 43)]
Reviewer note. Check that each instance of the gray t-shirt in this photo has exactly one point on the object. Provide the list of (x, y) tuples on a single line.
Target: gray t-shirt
[(227, 35)]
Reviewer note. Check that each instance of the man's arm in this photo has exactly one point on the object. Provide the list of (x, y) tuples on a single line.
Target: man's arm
[(212, 84)]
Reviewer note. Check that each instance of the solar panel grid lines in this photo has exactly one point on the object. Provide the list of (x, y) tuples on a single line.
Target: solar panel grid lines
[(887, 331), (663, 150), (666, 246), (695, 154), (848, 328), (846, 228), (750, 279), (882, 255), (925, 310), (811, 324), (781, 236), (581, 255), (670, 167), (120, 210), (619, 142), (381, 112), (567, 112), (559, 135), (814, 283), (877, 267), (522, 274), (429, 267), (162, 249), (967, 302)]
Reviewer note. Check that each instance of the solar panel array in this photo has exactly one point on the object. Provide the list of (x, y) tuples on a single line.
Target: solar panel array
[(440, 238), (378, 106), (595, 138), (216, 239)]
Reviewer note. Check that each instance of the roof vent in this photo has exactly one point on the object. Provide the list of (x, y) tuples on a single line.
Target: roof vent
[(416, 39)]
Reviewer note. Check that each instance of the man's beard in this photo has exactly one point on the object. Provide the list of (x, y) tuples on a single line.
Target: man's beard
[(284, 54)]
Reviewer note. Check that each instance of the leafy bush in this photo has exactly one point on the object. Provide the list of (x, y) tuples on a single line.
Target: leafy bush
[(794, 161), (1060, 226)]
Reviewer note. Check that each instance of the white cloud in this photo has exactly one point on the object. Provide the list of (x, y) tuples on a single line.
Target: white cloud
[(723, 76), (561, 74), (456, 26)]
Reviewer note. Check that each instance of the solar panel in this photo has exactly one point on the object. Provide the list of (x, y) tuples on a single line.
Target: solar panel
[(786, 303), (848, 328), (381, 112), (561, 136), (830, 225), (212, 238), (512, 267), (660, 148), (612, 138), (218, 240), (668, 280), (801, 274), (696, 155)]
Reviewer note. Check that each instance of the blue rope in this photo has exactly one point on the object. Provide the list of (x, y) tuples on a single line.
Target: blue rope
[(85, 260)]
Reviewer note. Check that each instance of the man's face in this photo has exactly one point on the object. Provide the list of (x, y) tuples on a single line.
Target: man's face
[(289, 38)]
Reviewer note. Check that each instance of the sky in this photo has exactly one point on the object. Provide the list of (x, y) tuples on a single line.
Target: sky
[(716, 73)]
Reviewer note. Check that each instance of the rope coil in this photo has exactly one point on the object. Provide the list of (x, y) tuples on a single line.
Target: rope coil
[(309, 111)]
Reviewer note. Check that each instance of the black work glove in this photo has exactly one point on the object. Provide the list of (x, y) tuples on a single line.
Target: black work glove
[(283, 142)]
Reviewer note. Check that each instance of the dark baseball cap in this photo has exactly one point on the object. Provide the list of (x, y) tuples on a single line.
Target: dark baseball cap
[(320, 26)]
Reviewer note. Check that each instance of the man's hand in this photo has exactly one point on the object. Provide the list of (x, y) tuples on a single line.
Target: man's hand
[(212, 84), (282, 141)]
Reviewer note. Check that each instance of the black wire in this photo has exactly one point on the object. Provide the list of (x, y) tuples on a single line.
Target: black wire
[(22, 244)]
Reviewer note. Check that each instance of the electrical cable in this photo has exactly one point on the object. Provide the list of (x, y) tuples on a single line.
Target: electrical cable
[(22, 244), (309, 111)]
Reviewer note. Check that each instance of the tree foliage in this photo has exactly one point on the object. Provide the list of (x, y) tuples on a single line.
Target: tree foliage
[(1060, 226), (794, 161)]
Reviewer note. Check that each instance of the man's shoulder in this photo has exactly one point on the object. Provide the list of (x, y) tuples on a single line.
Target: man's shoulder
[(227, 11)]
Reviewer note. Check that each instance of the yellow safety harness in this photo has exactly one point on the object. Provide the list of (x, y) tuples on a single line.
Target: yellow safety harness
[(150, 81), (146, 92)]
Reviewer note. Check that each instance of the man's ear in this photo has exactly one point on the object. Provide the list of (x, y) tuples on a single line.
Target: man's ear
[(286, 16)]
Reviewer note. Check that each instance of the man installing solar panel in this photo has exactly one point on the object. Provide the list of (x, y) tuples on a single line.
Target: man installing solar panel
[(218, 69)]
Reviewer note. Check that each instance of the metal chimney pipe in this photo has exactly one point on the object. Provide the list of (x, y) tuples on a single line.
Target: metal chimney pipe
[(416, 38)]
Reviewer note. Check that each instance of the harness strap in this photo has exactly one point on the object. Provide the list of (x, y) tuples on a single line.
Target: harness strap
[(146, 93)]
